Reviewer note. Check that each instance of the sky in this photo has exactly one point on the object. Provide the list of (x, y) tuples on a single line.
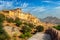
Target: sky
[(38, 8)]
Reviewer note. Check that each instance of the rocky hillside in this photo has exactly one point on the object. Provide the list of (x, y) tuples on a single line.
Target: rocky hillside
[(19, 25), (50, 19), (21, 15)]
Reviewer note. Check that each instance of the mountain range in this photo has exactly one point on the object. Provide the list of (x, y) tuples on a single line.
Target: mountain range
[(51, 19)]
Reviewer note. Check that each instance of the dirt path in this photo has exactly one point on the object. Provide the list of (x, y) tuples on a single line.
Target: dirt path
[(40, 36)]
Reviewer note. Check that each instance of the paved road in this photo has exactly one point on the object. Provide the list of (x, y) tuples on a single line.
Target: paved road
[(40, 36)]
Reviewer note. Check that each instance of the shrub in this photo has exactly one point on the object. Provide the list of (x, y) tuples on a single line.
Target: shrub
[(39, 28), (29, 24), (22, 36), (9, 20), (3, 34), (28, 34), (2, 17), (57, 27), (26, 29), (18, 22)]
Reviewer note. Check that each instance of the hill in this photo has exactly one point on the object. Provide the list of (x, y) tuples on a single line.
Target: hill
[(51, 19), (19, 25)]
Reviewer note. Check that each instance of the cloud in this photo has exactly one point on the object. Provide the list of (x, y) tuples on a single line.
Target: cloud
[(28, 9), (55, 12), (47, 1), (1, 7), (34, 9), (12, 4), (24, 5), (57, 7), (53, 2), (5, 5), (9, 4), (39, 9), (42, 12)]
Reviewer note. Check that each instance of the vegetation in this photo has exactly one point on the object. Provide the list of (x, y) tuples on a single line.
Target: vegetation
[(26, 29), (3, 34), (40, 28), (22, 36), (9, 20), (28, 34), (2, 18), (57, 27), (25, 35), (18, 22), (29, 24)]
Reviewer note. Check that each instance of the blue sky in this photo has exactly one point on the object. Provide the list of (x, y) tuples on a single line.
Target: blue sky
[(38, 8)]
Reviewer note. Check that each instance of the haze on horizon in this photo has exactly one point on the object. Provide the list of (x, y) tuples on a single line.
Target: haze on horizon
[(38, 8)]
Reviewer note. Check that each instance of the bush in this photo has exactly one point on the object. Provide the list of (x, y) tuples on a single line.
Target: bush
[(29, 24), (26, 29), (3, 34), (18, 22), (57, 27), (27, 34), (39, 28), (22, 36), (9, 20), (2, 17)]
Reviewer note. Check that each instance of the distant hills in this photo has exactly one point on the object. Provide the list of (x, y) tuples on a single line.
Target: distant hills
[(51, 19)]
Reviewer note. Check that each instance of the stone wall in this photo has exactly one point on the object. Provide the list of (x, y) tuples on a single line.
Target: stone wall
[(53, 33)]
